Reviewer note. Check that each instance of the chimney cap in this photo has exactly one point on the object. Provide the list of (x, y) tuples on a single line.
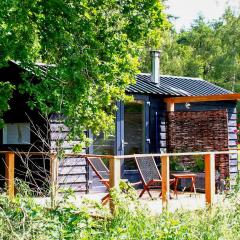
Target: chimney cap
[(152, 51)]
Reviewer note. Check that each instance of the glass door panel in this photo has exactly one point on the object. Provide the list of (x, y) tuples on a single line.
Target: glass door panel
[(134, 130), (134, 127), (104, 145)]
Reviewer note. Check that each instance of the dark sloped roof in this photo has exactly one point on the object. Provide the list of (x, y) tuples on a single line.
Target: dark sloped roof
[(175, 86), (169, 85), (40, 69)]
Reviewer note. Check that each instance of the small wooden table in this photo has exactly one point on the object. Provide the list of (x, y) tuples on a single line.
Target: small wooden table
[(191, 176)]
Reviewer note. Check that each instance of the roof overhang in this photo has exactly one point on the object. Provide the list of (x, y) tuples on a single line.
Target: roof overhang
[(211, 98)]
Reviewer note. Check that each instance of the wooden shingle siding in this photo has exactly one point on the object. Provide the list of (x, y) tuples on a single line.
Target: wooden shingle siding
[(163, 145), (72, 172), (232, 124), (231, 129), (64, 144), (76, 187), (157, 129), (232, 136), (56, 135), (232, 143), (71, 178), (162, 128), (71, 161), (58, 127), (233, 155), (75, 169)]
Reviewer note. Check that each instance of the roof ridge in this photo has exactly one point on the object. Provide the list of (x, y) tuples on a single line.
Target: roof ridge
[(192, 78), (167, 75)]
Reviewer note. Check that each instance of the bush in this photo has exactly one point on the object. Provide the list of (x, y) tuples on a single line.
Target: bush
[(23, 218)]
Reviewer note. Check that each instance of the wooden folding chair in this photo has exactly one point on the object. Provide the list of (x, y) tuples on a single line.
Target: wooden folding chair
[(150, 175), (102, 172)]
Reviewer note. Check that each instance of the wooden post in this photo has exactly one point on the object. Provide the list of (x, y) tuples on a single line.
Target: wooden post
[(54, 179), (165, 181), (9, 173), (114, 177), (210, 178), (170, 107)]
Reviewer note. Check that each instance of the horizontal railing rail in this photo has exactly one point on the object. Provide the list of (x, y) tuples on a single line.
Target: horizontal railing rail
[(176, 154), (55, 153)]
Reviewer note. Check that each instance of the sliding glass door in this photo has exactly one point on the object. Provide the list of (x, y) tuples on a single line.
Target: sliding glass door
[(131, 134)]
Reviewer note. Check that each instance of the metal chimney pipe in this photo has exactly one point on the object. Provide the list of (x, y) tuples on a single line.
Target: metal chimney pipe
[(155, 76)]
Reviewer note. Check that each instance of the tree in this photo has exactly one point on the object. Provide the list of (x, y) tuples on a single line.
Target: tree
[(209, 50), (94, 46), (228, 62)]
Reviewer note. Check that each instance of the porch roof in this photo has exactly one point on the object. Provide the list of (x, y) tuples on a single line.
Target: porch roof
[(175, 86), (212, 98)]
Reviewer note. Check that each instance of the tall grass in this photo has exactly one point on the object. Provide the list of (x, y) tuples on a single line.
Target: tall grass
[(23, 218)]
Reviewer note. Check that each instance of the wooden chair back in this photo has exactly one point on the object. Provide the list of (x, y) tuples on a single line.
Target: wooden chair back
[(148, 169), (98, 167)]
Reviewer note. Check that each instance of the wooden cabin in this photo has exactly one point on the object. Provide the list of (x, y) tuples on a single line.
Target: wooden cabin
[(168, 113)]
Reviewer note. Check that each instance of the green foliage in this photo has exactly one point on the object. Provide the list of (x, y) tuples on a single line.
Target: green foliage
[(209, 50), (23, 218), (199, 164), (6, 90), (214, 50), (94, 46), (175, 164)]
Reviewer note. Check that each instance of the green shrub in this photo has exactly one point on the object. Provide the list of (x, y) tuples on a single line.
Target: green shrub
[(22, 218), (199, 164)]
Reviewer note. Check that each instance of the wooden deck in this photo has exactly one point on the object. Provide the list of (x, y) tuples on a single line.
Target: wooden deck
[(185, 201)]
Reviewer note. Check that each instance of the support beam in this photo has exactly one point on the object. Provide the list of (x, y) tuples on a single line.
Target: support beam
[(170, 107), (9, 173), (209, 178), (114, 177), (210, 98), (54, 179), (165, 181)]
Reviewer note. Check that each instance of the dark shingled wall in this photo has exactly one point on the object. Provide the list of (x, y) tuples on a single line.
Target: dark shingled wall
[(73, 171)]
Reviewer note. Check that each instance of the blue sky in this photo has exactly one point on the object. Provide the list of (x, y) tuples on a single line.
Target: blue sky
[(188, 10)]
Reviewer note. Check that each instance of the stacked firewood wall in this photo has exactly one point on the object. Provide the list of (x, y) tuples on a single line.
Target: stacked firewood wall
[(199, 131)]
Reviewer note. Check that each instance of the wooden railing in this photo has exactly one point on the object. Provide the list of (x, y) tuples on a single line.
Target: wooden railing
[(209, 158), (115, 167), (10, 168)]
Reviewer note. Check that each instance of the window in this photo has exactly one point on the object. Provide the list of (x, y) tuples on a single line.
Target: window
[(104, 145), (16, 133)]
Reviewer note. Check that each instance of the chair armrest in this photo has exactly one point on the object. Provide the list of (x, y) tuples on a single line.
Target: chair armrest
[(104, 180), (136, 183), (156, 181)]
